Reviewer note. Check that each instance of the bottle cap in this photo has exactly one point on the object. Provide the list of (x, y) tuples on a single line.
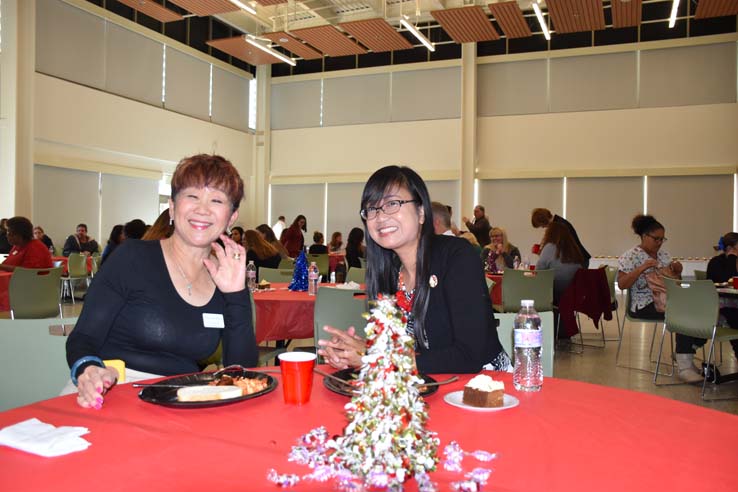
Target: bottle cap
[(527, 303)]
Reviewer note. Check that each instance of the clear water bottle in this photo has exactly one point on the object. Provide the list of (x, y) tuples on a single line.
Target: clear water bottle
[(313, 275), (528, 372), (516, 262), (251, 276)]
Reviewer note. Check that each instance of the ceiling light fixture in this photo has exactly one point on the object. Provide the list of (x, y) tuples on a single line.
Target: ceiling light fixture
[(541, 21), (267, 49), (673, 16), (243, 6), (417, 34)]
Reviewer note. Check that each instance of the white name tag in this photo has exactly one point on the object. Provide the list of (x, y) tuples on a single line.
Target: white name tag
[(213, 320)]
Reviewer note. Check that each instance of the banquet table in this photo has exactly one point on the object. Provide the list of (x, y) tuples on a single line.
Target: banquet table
[(496, 293), (282, 314), (5, 290), (571, 436)]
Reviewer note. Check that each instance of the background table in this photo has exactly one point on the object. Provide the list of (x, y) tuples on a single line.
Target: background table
[(282, 314), (569, 437), (496, 293), (5, 290)]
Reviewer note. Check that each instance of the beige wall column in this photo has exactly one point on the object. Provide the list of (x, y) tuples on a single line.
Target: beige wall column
[(26, 58), (468, 129), (258, 202)]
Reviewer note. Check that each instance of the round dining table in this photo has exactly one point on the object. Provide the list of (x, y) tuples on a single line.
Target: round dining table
[(282, 314), (571, 436)]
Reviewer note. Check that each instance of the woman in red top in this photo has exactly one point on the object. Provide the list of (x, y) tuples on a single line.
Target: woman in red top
[(292, 237), (26, 252)]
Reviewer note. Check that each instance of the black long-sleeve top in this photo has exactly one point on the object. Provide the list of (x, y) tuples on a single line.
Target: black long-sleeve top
[(460, 323), (722, 268), (133, 312)]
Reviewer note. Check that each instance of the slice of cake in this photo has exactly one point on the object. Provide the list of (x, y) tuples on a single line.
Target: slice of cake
[(483, 391), (263, 285)]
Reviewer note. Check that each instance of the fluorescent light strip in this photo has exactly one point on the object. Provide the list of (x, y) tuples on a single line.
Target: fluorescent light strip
[(673, 16), (645, 195), (541, 21), (243, 6), (267, 49), (563, 211), (417, 34)]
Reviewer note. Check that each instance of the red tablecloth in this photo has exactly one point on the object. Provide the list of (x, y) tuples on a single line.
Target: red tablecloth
[(570, 437), (4, 290), (496, 294), (283, 315), (334, 259)]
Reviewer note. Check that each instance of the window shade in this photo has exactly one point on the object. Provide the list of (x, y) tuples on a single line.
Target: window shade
[(354, 100), (511, 88), (187, 85), (133, 65), (126, 198), (344, 203), (230, 99), (426, 94), (295, 105), (300, 199)]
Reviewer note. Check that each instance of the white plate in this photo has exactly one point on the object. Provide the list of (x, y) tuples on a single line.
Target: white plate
[(456, 398)]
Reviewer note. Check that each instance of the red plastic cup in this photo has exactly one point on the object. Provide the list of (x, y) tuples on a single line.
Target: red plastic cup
[(735, 282), (532, 267), (297, 376), (536, 249)]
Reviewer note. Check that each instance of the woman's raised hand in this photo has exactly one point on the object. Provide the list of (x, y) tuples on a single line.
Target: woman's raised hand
[(229, 272)]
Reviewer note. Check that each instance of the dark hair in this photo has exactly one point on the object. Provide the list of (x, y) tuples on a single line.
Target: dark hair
[(383, 265), (81, 225), (481, 207), (540, 217), (262, 248), (161, 229), (115, 233), (335, 243), (281, 217), (268, 232), (239, 229), (644, 224), (729, 240), (567, 250), (297, 219), (355, 238), (134, 229), (203, 170), (317, 236), (20, 226)]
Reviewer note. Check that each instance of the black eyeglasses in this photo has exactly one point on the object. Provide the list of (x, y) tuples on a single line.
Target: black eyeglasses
[(389, 208), (657, 239)]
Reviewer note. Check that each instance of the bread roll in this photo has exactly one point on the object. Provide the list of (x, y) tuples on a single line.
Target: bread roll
[(208, 393)]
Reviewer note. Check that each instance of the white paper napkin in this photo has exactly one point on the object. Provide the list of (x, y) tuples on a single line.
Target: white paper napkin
[(34, 436), (348, 286)]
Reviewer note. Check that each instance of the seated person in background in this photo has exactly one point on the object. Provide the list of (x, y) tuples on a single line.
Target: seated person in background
[(259, 251), (80, 243), (336, 243), (441, 219), (561, 254), (355, 248), (722, 268), (438, 281), (116, 237), (499, 254), (542, 217), (237, 235), (268, 234), (633, 267), (318, 248), (147, 306), (134, 229), (26, 251), (162, 228), (38, 233)]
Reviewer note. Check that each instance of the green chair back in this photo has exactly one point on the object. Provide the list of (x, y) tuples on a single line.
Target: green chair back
[(490, 284), (275, 274), (357, 275), (339, 308), (505, 334), (77, 265), (691, 307), (323, 263), (362, 262), (524, 284), (286, 264), (34, 293), (700, 275)]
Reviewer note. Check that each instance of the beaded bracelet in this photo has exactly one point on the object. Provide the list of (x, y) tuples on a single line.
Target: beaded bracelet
[(83, 360)]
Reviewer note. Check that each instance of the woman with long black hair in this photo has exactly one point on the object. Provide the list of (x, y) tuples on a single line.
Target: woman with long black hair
[(438, 281)]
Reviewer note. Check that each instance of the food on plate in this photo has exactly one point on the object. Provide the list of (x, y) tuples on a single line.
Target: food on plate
[(208, 393), (483, 391), (247, 385), (263, 285)]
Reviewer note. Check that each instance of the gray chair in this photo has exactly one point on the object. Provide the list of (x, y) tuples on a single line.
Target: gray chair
[(322, 262), (632, 319), (357, 275), (524, 284), (77, 270), (34, 293), (339, 308), (692, 309), (275, 274), (286, 264), (700, 275), (505, 334)]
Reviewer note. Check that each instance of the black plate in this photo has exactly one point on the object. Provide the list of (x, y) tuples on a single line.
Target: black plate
[(168, 396), (349, 374)]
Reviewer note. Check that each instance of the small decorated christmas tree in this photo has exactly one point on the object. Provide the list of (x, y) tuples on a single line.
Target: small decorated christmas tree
[(300, 274), (386, 441)]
